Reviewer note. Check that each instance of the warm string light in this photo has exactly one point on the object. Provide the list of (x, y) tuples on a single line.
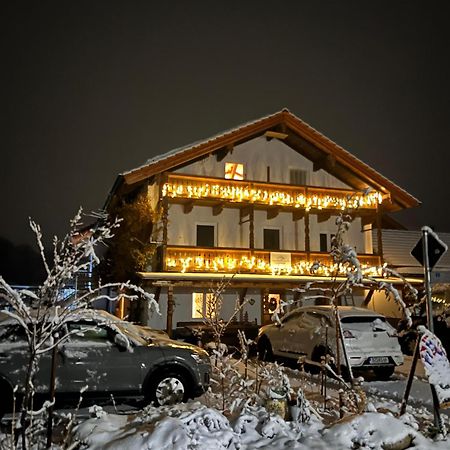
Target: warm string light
[(273, 197), (259, 265), (439, 300)]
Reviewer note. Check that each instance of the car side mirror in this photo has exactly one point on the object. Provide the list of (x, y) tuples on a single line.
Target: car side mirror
[(122, 342)]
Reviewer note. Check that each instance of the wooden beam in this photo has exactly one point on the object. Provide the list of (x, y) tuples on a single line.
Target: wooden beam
[(368, 219), (298, 214), (245, 211), (251, 237), (217, 208), (326, 162), (323, 216), (170, 308), (307, 240), (379, 233), (222, 152), (272, 213), (269, 134), (188, 206)]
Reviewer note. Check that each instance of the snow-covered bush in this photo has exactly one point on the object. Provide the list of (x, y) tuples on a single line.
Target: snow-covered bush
[(42, 315)]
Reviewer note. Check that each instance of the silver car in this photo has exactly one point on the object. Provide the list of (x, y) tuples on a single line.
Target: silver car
[(110, 357), (370, 341)]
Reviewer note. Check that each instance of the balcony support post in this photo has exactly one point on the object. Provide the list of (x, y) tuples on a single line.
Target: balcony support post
[(379, 233), (252, 228), (307, 238), (170, 308)]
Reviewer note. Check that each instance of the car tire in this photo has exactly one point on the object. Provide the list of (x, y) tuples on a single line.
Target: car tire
[(168, 387), (265, 352), (384, 373), (6, 394)]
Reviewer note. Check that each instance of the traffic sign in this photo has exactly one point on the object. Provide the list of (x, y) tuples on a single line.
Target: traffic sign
[(436, 248)]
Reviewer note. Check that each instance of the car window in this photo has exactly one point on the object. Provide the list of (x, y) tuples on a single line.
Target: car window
[(293, 317), (312, 319), (80, 332), (12, 333)]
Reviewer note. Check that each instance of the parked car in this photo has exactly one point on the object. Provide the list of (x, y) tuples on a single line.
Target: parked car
[(408, 335), (110, 357), (370, 341)]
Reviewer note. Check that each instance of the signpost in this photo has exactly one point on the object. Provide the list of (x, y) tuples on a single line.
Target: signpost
[(427, 251)]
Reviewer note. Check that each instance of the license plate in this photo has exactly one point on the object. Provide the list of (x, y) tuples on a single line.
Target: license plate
[(379, 360)]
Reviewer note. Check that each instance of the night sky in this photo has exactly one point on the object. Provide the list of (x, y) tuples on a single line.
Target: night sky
[(90, 89)]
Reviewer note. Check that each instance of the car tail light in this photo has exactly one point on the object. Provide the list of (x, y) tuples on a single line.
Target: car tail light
[(348, 334)]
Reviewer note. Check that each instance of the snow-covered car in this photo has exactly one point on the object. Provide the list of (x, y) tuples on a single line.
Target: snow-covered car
[(110, 357), (370, 341)]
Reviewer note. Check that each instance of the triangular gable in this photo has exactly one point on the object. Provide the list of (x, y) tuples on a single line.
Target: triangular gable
[(324, 153)]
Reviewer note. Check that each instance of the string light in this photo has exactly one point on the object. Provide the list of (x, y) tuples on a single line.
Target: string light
[(299, 197), (228, 263)]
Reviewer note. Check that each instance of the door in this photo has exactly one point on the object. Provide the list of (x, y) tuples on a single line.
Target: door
[(90, 357)]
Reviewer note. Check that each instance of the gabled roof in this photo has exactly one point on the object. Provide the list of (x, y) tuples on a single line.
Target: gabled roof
[(299, 135)]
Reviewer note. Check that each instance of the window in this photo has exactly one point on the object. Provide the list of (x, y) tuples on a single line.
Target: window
[(206, 235), (298, 176), (323, 242), (202, 305), (271, 239), (234, 171)]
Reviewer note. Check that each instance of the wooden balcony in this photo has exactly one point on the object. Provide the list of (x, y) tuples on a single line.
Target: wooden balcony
[(236, 260), (223, 191)]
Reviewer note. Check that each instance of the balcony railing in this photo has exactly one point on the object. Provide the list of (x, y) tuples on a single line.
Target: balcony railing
[(232, 260), (268, 194)]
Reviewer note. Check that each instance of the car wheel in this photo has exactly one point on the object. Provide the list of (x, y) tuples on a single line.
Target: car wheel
[(384, 373), (168, 388), (265, 349)]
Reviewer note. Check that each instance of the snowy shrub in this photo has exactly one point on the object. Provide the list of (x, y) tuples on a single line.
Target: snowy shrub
[(43, 315)]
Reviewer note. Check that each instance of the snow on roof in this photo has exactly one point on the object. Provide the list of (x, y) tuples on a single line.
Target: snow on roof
[(210, 139)]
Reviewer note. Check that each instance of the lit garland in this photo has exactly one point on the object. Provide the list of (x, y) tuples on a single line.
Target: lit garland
[(275, 197), (254, 264)]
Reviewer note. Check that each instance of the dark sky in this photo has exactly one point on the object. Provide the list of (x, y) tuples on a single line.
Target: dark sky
[(91, 89)]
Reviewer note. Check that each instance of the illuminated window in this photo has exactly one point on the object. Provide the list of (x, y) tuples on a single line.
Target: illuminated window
[(202, 305), (234, 171), (197, 305)]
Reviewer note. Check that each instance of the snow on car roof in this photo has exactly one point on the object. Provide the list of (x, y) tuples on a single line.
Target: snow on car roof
[(344, 311)]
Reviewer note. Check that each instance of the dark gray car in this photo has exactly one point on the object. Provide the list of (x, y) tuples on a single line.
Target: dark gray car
[(109, 356)]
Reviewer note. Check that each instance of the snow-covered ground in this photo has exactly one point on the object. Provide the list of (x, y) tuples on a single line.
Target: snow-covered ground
[(198, 425)]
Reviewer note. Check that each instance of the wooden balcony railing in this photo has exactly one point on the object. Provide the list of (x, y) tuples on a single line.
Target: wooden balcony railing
[(268, 194), (232, 260)]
